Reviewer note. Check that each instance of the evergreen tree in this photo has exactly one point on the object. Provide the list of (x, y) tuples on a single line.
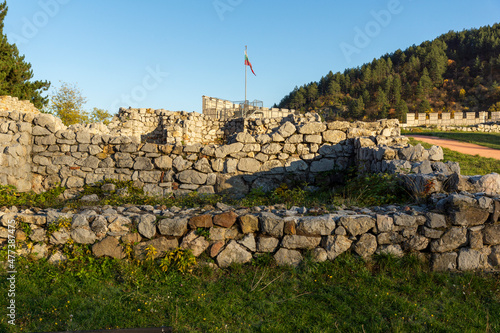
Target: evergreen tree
[(16, 73), (424, 76), (401, 111), (424, 106), (357, 108)]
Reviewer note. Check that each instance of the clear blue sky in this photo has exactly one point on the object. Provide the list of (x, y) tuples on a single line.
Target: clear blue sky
[(168, 53)]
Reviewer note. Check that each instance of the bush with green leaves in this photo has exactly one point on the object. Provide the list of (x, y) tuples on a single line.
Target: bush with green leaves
[(374, 190)]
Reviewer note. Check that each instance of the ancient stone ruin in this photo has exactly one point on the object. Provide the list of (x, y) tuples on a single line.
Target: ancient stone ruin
[(175, 153)]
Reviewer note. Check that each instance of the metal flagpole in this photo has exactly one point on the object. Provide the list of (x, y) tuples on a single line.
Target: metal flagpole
[(245, 104)]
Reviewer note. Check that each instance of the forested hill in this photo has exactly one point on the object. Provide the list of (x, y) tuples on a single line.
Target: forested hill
[(458, 71)]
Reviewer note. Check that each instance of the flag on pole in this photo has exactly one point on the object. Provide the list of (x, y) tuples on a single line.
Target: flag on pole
[(247, 63)]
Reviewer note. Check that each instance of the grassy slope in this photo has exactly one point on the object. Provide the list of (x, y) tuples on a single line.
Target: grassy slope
[(348, 295), (491, 140), (469, 165)]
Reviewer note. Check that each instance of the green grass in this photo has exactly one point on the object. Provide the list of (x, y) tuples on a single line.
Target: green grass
[(347, 295), (469, 165), (491, 140), (369, 190)]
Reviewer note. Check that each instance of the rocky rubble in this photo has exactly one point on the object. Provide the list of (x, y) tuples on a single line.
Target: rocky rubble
[(458, 231)]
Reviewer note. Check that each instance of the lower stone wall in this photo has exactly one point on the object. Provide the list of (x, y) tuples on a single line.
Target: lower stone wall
[(453, 232), (489, 127)]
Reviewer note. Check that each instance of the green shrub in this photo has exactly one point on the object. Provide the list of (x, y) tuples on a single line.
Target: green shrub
[(374, 190), (179, 260)]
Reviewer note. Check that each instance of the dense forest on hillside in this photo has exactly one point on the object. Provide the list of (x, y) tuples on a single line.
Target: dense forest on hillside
[(458, 71)]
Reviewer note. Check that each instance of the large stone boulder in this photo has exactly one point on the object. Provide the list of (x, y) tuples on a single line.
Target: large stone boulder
[(233, 253)]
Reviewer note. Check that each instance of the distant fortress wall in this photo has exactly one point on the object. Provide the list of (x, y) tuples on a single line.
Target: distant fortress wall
[(445, 119), (221, 109)]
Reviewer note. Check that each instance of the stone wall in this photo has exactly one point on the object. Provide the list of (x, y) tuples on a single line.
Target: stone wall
[(221, 109), (13, 103), (446, 119), (40, 151), (452, 232), (266, 155)]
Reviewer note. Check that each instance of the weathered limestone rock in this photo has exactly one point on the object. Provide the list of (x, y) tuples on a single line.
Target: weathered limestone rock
[(271, 224), (249, 223), (492, 234), (469, 259), (146, 225), (469, 216), (162, 245), (203, 165), (143, 163), (192, 177), (248, 241), (312, 128), (233, 186), (392, 249), (197, 244), (201, 221), (405, 220), (451, 240), (39, 251), (226, 219), (233, 253), (300, 242), (435, 220), (267, 244), (490, 184), (323, 165), (109, 247), (444, 261), (287, 129), (320, 255), (336, 245), (334, 136), (366, 245), (271, 148), (244, 137), (181, 164), (163, 162), (316, 225), (250, 165), (357, 224), (385, 223), (59, 237), (414, 153), (176, 226), (225, 150), (286, 257), (99, 226), (83, 236), (436, 153)]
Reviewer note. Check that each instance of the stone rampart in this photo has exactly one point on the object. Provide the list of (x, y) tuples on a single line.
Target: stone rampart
[(264, 156), (452, 232), (39, 152), (456, 120)]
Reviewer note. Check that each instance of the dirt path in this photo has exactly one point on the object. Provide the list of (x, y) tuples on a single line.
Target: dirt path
[(461, 147)]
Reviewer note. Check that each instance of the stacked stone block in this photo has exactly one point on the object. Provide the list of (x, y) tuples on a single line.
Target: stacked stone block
[(453, 232)]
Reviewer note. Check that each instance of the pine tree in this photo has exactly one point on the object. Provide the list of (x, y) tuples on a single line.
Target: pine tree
[(16, 73), (401, 110)]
